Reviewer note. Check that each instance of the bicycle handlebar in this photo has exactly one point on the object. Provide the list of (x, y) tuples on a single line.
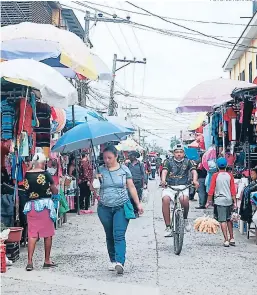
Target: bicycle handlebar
[(179, 189)]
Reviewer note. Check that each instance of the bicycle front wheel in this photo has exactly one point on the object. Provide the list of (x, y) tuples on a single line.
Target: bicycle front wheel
[(179, 228)]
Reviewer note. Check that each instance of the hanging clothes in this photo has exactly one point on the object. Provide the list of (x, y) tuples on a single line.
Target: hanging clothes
[(24, 144), (24, 117), (216, 122), (7, 119), (207, 136), (230, 118), (247, 127), (44, 129), (21, 168)]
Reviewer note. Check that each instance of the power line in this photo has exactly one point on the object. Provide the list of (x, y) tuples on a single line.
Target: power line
[(121, 51), (167, 17), (138, 42), (186, 28), (202, 41), (126, 40), (165, 32)]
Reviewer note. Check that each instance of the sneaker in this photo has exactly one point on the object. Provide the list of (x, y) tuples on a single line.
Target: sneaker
[(168, 232), (187, 225), (111, 266), (200, 207), (119, 268), (8, 262), (226, 244), (232, 242)]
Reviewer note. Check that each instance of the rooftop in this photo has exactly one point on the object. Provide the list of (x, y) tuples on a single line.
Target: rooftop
[(249, 34)]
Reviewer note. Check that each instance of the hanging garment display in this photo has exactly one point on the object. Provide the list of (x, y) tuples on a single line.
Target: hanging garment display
[(24, 144), (8, 119), (207, 136), (247, 127), (230, 118), (216, 122), (43, 131), (25, 117)]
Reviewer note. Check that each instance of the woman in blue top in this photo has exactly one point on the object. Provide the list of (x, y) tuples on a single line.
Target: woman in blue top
[(115, 180)]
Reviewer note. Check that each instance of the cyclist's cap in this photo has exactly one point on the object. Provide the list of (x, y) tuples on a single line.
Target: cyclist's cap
[(178, 147), (222, 163)]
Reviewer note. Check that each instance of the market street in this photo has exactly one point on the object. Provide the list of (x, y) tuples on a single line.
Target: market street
[(204, 266)]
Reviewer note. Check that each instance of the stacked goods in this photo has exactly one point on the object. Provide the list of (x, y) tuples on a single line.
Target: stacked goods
[(3, 260), (206, 224), (13, 251)]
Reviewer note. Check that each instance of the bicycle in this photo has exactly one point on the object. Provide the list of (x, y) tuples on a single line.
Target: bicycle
[(177, 221)]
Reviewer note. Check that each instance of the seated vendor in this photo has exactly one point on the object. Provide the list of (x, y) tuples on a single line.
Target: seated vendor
[(246, 211)]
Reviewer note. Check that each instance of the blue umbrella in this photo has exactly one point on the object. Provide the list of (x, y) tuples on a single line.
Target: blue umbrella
[(82, 115), (90, 134)]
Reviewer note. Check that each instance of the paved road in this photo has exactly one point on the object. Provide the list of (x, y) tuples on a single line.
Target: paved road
[(204, 266)]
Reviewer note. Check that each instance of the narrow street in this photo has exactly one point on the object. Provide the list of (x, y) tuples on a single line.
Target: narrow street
[(204, 266)]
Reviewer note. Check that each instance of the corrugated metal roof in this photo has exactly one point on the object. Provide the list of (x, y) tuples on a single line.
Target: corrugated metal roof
[(73, 22)]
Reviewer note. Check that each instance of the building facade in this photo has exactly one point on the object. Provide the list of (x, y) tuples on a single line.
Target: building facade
[(43, 12), (242, 60)]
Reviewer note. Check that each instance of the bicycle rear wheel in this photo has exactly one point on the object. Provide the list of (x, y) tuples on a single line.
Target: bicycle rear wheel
[(178, 228)]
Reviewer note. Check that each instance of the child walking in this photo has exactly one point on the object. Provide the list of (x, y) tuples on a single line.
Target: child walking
[(224, 192)]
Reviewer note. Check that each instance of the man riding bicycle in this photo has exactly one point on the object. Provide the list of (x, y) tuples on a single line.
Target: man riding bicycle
[(176, 173)]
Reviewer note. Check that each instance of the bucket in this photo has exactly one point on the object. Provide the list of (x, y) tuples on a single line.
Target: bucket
[(15, 234)]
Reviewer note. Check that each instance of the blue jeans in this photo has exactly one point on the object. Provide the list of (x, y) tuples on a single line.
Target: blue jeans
[(115, 225)]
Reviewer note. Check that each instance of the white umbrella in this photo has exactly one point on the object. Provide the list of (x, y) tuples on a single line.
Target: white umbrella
[(129, 145), (44, 41), (54, 88), (208, 94)]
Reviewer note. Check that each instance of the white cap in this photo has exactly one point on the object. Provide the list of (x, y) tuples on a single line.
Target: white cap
[(178, 147), (39, 158)]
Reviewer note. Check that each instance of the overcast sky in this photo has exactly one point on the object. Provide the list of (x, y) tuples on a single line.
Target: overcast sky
[(174, 65)]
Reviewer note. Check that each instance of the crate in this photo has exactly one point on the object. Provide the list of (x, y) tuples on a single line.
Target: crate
[(12, 251), (12, 255)]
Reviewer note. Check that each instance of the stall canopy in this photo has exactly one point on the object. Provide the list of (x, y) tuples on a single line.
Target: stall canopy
[(44, 41), (209, 94), (54, 89), (104, 73)]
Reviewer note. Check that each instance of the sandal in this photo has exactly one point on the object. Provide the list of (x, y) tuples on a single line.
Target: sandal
[(51, 265), (232, 242), (29, 267)]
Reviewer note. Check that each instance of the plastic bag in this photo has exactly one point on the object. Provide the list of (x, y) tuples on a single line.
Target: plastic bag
[(255, 218), (145, 196), (96, 183)]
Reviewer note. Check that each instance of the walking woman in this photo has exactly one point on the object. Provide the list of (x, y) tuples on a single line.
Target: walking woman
[(85, 183), (114, 206), (39, 209)]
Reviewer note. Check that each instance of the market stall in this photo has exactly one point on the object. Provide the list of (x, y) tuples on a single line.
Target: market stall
[(230, 131), (29, 125)]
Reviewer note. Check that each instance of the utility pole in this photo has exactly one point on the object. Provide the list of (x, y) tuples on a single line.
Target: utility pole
[(111, 101), (86, 36), (99, 17), (114, 70)]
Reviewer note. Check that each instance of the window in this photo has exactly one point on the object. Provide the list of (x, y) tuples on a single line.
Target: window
[(250, 72)]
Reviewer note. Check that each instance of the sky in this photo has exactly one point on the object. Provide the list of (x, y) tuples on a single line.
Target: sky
[(174, 65)]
